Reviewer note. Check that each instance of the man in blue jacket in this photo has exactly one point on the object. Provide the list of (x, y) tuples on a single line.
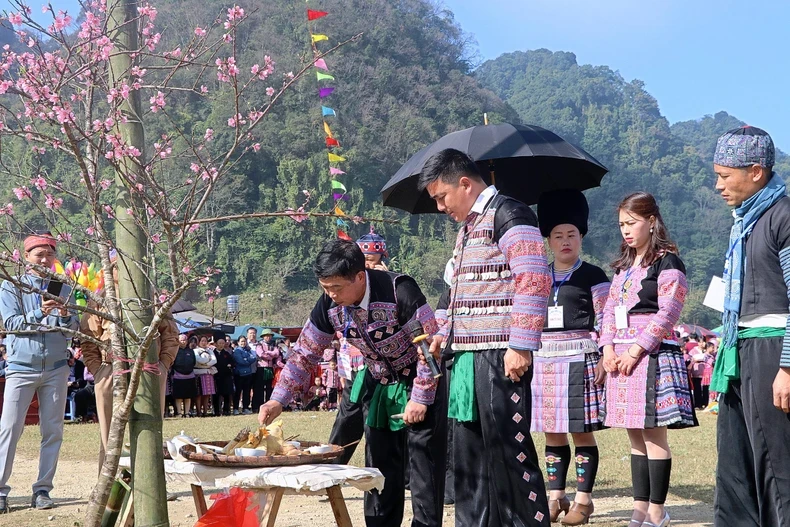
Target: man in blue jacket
[(37, 364)]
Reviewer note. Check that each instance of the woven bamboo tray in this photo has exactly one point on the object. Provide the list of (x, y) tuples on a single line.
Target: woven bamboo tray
[(221, 460)]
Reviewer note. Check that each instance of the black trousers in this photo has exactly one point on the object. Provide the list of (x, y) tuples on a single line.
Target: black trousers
[(221, 403), (449, 477), (350, 421), (426, 444), (261, 389), (698, 400), (498, 481), (242, 394), (753, 474)]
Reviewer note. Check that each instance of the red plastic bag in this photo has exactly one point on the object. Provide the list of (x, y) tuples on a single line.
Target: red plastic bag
[(234, 509)]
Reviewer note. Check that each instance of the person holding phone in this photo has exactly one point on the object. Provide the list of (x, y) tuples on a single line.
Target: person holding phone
[(37, 363)]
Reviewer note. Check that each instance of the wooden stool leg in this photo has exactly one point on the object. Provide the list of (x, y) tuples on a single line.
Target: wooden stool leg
[(270, 506), (200, 500), (338, 504)]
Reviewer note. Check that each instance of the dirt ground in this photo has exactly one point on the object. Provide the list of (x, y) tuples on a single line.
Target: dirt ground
[(73, 479), (689, 503)]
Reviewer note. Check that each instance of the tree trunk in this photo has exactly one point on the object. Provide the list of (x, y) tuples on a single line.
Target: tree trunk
[(134, 289)]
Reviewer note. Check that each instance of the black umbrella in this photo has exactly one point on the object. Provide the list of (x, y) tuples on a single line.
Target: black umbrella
[(522, 161)]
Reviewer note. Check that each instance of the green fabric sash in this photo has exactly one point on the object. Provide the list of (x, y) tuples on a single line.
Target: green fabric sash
[(358, 387), (727, 368), (461, 405), (388, 400)]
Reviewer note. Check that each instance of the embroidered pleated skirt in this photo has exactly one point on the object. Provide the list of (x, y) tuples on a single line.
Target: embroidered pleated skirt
[(657, 392), (565, 397)]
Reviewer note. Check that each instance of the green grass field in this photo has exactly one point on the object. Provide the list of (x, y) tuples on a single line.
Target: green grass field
[(694, 451)]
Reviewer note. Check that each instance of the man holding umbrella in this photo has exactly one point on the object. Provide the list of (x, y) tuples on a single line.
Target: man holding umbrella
[(498, 300)]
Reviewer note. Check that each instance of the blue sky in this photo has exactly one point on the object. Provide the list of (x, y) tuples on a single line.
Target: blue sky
[(696, 57)]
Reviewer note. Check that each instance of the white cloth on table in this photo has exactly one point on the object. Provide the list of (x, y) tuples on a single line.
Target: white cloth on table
[(296, 479)]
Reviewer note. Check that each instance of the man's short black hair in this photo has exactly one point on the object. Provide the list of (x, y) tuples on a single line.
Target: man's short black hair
[(341, 258), (449, 165)]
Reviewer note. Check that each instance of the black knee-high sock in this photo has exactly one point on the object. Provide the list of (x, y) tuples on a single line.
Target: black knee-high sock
[(640, 477), (660, 470), (586, 467), (558, 459)]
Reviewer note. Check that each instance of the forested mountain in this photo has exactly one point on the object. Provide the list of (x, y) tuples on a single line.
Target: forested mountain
[(620, 124), (407, 81)]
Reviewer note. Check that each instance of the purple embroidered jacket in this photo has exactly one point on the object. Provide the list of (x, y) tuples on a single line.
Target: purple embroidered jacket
[(395, 301)]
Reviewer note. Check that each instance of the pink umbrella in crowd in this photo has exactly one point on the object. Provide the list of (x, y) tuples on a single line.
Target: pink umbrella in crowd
[(688, 329)]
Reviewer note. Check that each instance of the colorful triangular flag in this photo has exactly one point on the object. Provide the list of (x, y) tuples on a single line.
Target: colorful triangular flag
[(339, 211), (327, 130), (336, 171), (330, 142), (342, 223), (323, 76), (337, 197), (314, 15), (325, 110), (318, 37), (321, 64), (325, 92), (334, 158), (343, 236), (338, 185)]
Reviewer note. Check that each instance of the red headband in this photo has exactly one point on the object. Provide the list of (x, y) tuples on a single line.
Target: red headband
[(39, 240)]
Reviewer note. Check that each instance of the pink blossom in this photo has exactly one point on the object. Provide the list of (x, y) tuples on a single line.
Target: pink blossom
[(193, 227), (194, 167), (235, 13), (227, 37), (289, 75), (156, 238), (199, 31), (298, 218), (163, 297), (40, 183), (90, 231), (53, 203), (149, 210), (157, 102), (203, 89), (147, 10), (211, 299), (15, 19), (173, 213), (232, 122), (186, 269), (108, 210), (105, 184), (269, 91), (8, 210), (15, 255), (209, 135), (64, 236), (22, 192), (130, 211), (256, 147), (189, 181)]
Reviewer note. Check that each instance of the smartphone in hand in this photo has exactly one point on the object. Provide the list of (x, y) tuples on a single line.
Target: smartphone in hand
[(54, 287)]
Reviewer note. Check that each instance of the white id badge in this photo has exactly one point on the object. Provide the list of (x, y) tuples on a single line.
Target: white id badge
[(621, 317), (555, 317)]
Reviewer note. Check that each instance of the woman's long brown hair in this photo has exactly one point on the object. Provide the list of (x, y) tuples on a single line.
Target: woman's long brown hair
[(644, 205)]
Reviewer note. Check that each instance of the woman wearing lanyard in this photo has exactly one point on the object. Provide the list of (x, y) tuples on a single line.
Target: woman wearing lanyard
[(647, 390), (567, 383)]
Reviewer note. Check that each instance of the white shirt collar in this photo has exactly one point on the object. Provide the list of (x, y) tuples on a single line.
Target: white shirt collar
[(483, 199), (366, 299)]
